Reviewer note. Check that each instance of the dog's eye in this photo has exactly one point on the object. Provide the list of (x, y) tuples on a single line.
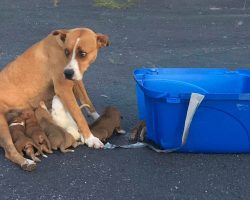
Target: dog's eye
[(82, 54), (66, 52)]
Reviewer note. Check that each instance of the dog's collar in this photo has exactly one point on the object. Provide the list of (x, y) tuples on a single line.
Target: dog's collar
[(16, 123)]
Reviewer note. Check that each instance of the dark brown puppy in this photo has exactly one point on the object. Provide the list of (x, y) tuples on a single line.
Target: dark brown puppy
[(108, 123), (34, 131), (138, 132), (58, 137), (21, 142)]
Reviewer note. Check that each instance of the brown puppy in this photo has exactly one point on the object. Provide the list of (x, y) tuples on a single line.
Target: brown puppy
[(21, 142), (52, 66), (34, 131), (58, 137), (108, 123)]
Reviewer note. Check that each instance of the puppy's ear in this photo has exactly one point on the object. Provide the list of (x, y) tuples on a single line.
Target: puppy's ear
[(102, 40), (60, 36), (11, 116)]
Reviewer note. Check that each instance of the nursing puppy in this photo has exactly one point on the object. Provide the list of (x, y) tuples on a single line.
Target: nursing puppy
[(58, 137), (63, 119), (108, 123), (22, 142), (34, 131), (54, 65)]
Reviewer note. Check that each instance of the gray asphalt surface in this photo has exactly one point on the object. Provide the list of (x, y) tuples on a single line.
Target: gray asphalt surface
[(185, 33)]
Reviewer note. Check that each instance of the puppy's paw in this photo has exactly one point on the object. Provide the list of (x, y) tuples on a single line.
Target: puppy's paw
[(93, 141), (28, 165)]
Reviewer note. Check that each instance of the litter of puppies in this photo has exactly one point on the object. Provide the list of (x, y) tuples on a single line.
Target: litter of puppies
[(39, 131)]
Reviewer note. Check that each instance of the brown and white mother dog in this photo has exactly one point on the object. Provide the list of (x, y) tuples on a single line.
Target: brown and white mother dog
[(55, 65)]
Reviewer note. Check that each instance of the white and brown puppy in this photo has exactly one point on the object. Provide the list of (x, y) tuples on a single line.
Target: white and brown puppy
[(53, 66)]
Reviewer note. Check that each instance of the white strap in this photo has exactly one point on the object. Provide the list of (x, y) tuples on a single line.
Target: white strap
[(194, 103)]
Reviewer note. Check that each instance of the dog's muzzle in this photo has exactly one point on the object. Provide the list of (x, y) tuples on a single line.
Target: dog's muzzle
[(69, 73)]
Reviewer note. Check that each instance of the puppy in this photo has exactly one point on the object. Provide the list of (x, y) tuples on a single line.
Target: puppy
[(58, 137), (108, 123), (21, 142), (63, 119), (138, 132), (34, 131)]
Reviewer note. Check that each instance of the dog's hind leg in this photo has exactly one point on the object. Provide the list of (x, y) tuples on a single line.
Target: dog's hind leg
[(10, 151)]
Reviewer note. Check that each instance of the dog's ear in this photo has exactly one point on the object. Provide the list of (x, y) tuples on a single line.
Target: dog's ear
[(60, 36), (102, 40)]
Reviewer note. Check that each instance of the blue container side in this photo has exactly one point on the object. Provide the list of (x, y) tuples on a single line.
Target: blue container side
[(217, 127), (165, 122), (220, 127), (140, 103), (221, 124)]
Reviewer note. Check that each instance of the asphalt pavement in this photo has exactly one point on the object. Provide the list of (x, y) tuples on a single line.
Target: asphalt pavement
[(143, 33)]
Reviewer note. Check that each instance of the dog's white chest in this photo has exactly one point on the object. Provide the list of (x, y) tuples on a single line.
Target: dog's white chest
[(63, 119)]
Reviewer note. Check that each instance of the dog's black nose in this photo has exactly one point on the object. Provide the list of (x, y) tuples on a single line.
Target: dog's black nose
[(69, 73)]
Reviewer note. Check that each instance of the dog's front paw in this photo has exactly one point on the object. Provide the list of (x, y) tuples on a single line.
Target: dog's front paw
[(93, 141)]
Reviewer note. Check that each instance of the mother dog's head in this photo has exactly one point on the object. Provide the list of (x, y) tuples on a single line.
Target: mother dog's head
[(80, 48)]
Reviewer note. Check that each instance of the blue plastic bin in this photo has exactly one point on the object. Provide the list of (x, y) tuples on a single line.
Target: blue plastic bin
[(221, 123)]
